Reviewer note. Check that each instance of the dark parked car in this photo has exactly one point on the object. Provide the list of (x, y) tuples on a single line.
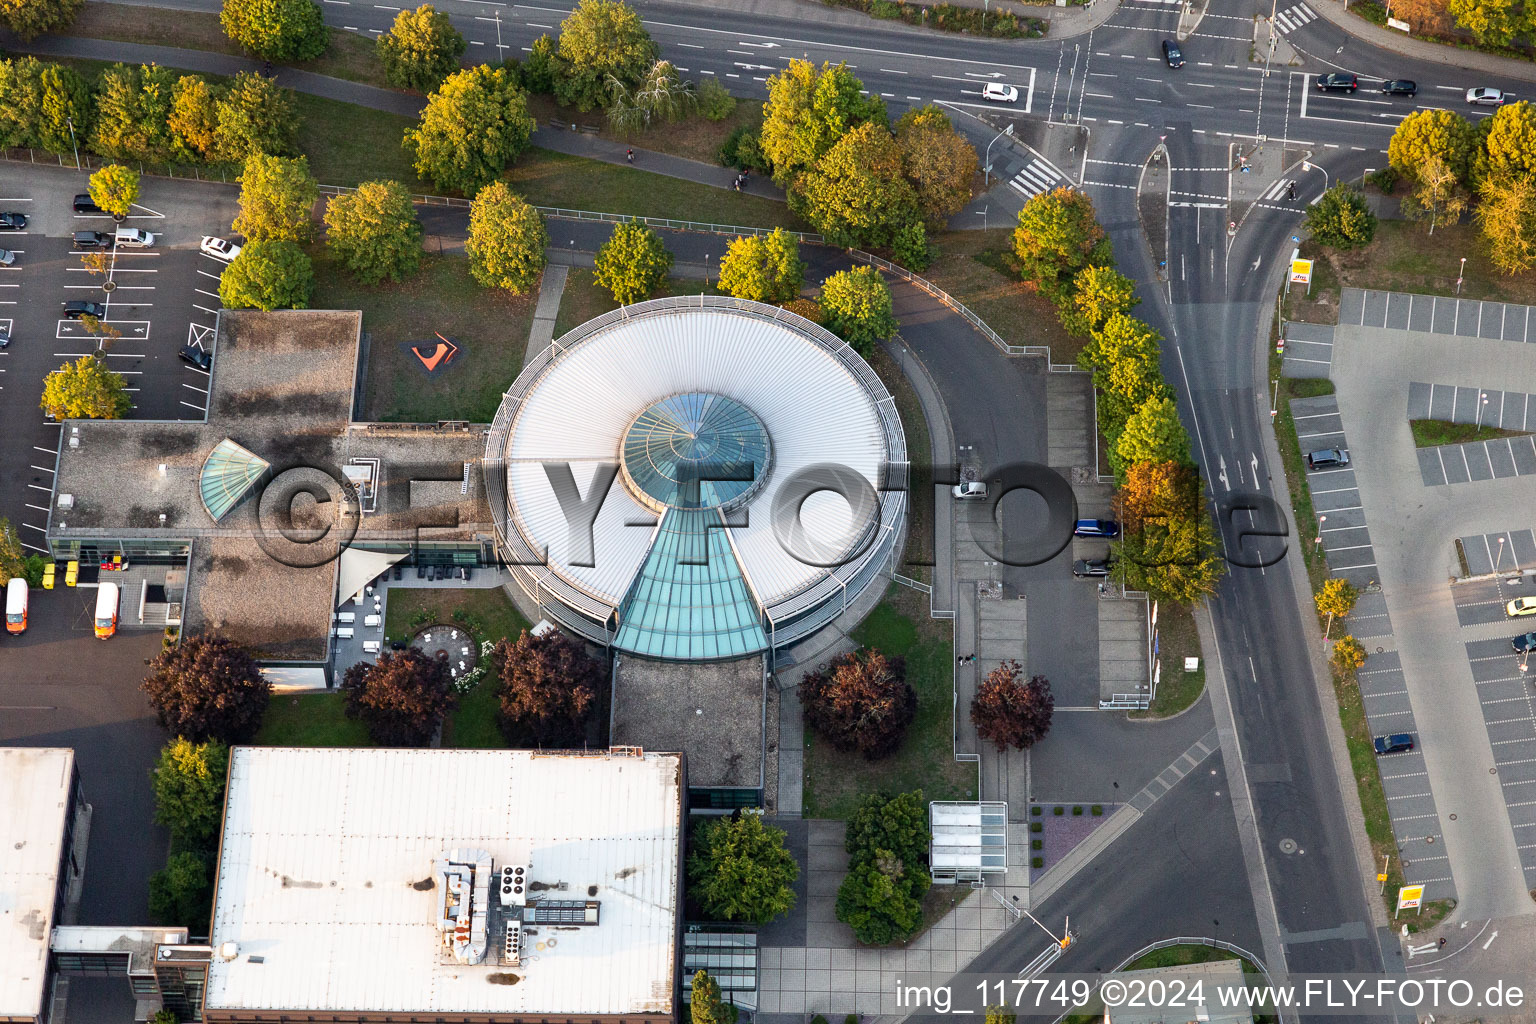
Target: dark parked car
[(1172, 54), (94, 240), (1337, 81), (1397, 743), (85, 204), (13, 221), (1327, 458), (1400, 87), (1523, 643), (5, 337), (1096, 528), (200, 358), (1086, 567), (76, 310)]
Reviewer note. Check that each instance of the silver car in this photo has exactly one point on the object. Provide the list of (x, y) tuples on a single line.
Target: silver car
[(7, 257), (1484, 97)]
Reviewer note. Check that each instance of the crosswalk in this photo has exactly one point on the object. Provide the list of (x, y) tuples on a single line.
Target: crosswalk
[(1292, 18), (1278, 191), (1036, 177)]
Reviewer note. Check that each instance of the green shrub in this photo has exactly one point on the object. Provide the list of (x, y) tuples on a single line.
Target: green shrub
[(1058, 811), (852, 1018), (1037, 844), (1037, 826), (1385, 180), (911, 247), (715, 103), (1077, 812), (1037, 862), (1097, 810), (1037, 811), (818, 1019), (743, 150)]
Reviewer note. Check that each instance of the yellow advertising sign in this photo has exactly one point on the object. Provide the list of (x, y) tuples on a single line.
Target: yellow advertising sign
[(1381, 876), (1410, 896), (1301, 271)]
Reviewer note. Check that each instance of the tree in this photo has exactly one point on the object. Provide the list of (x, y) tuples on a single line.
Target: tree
[(632, 263), (207, 688), (856, 305), (194, 120), (856, 195), (704, 1002), (1340, 219), (808, 112), (402, 697), (280, 30), (1168, 546), (277, 195), (547, 688), (1437, 193), (29, 19), (13, 557), (601, 39), (887, 842), (507, 240), (1152, 433), (421, 49), (472, 128), (1507, 217), (374, 232), (254, 116), (179, 894), (1492, 22), (541, 67), (740, 871), (133, 108), (1011, 713), (910, 247), (938, 161), (1348, 654), (661, 98), (188, 780), (115, 189), (861, 702), (163, 1017), (1098, 294), (1432, 133), (1057, 236), (1335, 600), (85, 390), (268, 275), (1509, 142), (65, 100), (763, 268), (999, 1015), (715, 101)]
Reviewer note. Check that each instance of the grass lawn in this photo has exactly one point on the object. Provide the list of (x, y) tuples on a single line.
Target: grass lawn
[(490, 616), (1429, 433), (835, 782), (351, 55), (1177, 639), (584, 299), (310, 720), (1179, 956), (973, 267), (547, 178), (697, 138), (1404, 258), (367, 150), (917, 560), (489, 325)]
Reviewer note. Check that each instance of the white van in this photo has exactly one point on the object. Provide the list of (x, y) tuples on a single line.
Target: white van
[(16, 605), (134, 238), (106, 610)]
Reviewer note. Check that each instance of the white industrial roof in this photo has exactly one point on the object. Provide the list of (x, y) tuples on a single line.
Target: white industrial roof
[(814, 409), (327, 852), (34, 808)]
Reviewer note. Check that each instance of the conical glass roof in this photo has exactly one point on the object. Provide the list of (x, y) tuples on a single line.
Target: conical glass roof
[(695, 450), (228, 473)]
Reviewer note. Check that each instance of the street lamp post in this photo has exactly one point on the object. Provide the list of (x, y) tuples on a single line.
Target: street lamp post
[(1500, 557), (986, 171), (983, 212), (74, 145), (1461, 273), (1320, 521), (1482, 400), (498, 33)]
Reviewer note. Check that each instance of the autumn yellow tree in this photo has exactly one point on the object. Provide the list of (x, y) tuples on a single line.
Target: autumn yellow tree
[(1335, 600), (1348, 654), (1506, 213)]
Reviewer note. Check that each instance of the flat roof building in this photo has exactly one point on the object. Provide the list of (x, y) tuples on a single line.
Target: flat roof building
[(39, 806), (448, 885)]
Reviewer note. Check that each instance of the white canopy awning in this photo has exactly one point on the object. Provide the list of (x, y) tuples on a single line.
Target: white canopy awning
[(360, 568)]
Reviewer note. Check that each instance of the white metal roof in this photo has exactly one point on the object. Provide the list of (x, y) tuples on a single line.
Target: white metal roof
[(324, 850), (34, 808), (814, 410)]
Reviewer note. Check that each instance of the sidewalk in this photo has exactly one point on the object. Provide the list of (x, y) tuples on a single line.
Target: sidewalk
[(610, 152), (1391, 39), (1065, 21)]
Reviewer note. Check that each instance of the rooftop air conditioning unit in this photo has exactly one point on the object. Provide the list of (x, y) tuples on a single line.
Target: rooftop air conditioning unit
[(229, 950), (66, 502)]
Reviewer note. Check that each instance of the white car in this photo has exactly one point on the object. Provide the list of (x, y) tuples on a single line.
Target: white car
[(219, 248), (997, 92), (971, 490), (1521, 607), (1487, 97)]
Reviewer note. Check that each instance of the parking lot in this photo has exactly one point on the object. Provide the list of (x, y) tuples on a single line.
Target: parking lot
[(1335, 497), (159, 299)]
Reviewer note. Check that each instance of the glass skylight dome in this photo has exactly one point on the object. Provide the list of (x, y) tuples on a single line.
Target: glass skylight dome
[(695, 450)]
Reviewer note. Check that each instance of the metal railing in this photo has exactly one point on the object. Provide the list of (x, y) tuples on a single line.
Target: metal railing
[(226, 173)]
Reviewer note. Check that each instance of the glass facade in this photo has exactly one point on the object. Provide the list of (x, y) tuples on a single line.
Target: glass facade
[(228, 473)]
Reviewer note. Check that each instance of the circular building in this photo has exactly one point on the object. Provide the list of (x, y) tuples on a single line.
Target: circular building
[(697, 478)]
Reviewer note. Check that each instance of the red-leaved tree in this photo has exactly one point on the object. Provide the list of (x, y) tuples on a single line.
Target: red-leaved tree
[(1011, 713), (402, 698), (860, 702), (207, 688), (548, 687)]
